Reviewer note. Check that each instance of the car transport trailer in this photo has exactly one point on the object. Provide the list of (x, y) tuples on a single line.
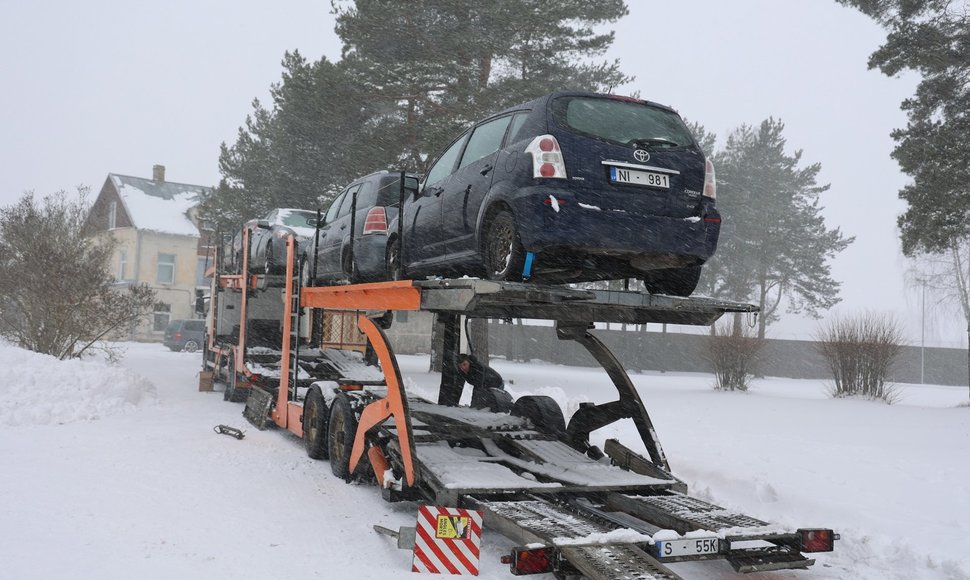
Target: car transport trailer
[(574, 510)]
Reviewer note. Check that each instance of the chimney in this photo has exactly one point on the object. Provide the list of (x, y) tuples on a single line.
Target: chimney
[(158, 173)]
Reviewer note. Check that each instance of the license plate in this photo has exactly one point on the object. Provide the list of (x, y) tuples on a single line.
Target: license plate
[(637, 177), (687, 547)]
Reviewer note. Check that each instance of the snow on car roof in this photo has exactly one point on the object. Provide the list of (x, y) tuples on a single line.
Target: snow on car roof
[(158, 206)]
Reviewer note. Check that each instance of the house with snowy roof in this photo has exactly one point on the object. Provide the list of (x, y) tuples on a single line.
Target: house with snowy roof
[(159, 243)]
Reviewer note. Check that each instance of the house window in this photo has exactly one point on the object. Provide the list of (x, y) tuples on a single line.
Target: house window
[(113, 215), (203, 263), (166, 269), (163, 312), (122, 264)]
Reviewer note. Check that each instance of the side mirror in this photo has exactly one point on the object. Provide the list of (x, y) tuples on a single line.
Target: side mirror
[(262, 224), (411, 185)]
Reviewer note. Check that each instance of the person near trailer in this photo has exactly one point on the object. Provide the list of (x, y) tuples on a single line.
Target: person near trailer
[(488, 387)]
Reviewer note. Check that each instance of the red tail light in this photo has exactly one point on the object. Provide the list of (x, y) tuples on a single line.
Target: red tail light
[(178, 335), (376, 221), (710, 183), (536, 561), (547, 158), (820, 540)]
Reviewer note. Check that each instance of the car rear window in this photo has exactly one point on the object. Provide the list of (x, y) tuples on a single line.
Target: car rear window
[(626, 122), (194, 325)]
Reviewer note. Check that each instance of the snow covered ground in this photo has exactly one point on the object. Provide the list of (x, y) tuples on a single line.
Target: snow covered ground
[(116, 473)]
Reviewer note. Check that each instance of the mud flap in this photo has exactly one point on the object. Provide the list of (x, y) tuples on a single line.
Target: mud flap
[(257, 409)]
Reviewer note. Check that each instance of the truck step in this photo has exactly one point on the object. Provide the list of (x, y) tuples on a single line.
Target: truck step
[(767, 559)]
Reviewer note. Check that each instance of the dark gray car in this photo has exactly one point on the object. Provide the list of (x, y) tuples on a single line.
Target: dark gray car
[(185, 335), (376, 198)]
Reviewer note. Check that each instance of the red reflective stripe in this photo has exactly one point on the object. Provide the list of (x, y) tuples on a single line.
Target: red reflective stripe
[(712, 220), (453, 546), (433, 547)]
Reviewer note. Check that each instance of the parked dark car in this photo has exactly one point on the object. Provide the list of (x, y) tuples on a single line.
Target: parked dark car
[(184, 335), (376, 198), (570, 187), (268, 239)]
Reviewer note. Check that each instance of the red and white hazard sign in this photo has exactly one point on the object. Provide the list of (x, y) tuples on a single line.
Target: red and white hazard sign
[(448, 541)]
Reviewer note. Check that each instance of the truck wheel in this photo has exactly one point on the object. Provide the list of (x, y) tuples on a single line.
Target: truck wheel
[(340, 434), (315, 419), (543, 412)]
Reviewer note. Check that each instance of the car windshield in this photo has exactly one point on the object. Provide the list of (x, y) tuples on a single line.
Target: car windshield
[(626, 122), (297, 218)]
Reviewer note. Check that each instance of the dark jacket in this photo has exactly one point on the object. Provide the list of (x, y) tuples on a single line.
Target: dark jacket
[(480, 375)]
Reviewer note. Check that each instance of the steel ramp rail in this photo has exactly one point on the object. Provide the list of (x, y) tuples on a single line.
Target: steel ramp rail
[(573, 532)]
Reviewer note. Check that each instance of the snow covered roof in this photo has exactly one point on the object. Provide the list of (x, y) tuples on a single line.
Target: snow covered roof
[(160, 206)]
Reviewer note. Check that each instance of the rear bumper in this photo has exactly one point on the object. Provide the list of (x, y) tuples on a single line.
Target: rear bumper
[(581, 229)]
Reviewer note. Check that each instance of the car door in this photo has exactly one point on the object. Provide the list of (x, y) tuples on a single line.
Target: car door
[(423, 239), (465, 191), (329, 239), (338, 236)]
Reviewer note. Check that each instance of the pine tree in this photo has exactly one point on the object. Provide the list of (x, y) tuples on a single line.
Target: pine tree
[(774, 247)]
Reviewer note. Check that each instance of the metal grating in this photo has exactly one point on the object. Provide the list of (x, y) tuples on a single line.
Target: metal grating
[(546, 520), (617, 562), (701, 514), (340, 331)]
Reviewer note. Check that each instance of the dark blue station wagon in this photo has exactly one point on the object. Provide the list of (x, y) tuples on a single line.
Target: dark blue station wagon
[(570, 187)]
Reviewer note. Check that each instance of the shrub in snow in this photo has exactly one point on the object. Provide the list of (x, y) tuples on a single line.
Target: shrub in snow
[(734, 356), (861, 352)]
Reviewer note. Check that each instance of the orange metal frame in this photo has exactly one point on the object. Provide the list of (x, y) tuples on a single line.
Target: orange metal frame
[(399, 295)]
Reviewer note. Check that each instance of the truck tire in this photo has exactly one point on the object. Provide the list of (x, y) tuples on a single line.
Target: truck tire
[(315, 424), (340, 436), (543, 412)]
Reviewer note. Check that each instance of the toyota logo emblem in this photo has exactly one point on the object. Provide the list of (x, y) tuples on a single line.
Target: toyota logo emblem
[(641, 155)]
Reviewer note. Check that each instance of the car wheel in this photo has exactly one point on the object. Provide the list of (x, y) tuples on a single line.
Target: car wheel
[(544, 413), (673, 281), (503, 252), (340, 436), (268, 268), (347, 265), (394, 269), (190, 346), (315, 419)]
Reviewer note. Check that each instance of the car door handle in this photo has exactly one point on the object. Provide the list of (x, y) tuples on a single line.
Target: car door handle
[(486, 169), (437, 191)]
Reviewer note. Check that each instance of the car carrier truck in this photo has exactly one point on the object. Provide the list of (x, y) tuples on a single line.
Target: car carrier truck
[(322, 368)]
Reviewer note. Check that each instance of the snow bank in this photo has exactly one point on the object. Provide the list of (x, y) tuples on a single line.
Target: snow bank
[(38, 389)]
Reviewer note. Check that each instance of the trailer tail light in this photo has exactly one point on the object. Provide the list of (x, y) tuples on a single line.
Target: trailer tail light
[(547, 159), (535, 561), (376, 221), (710, 183), (817, 540)]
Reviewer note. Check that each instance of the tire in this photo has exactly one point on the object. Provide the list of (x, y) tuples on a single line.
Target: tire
[(347, 266), (544, 413), (673, 281), (190, 346), (315, 424), (341, 431), (393, 268), (503, 254), (268, 267), (229, 392), (306, 280)]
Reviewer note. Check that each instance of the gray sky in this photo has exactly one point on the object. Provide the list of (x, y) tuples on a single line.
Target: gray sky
[(108, 86)]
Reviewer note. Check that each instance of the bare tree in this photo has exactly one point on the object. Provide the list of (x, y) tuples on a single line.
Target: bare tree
[(56, 292), (861, 352), (734, 354), (947, 276)]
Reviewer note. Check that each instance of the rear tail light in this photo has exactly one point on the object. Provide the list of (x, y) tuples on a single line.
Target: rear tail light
[(820, 540), (178, 335), (547, 159), (535, 561), (376, 221), (710, 184)]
